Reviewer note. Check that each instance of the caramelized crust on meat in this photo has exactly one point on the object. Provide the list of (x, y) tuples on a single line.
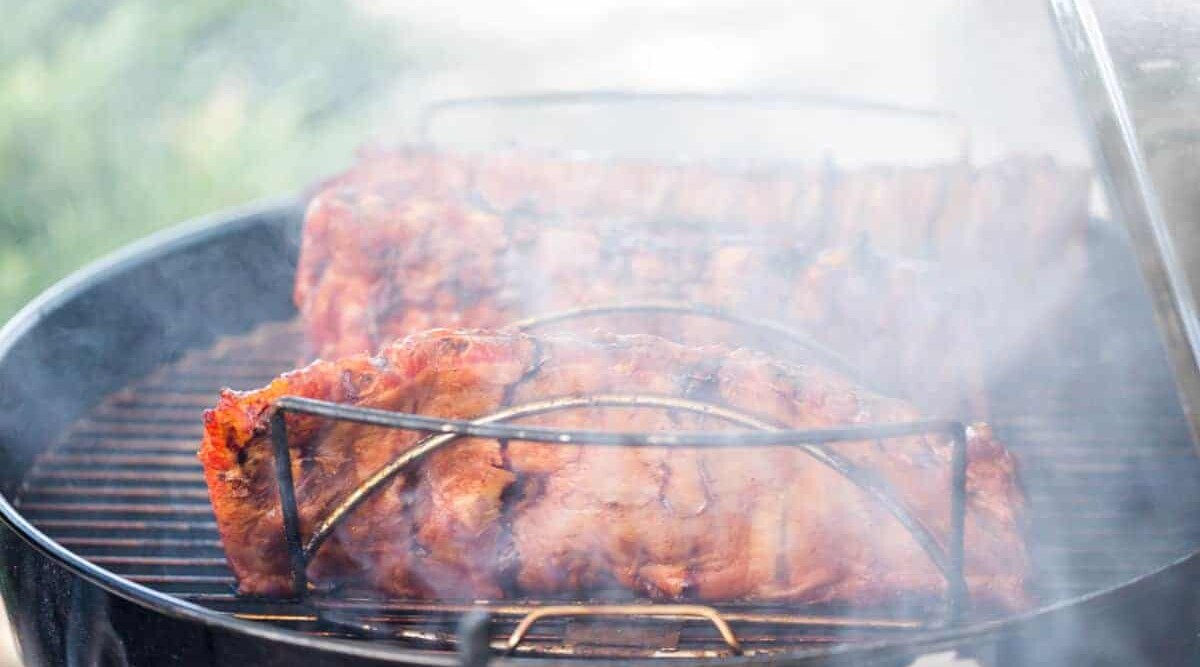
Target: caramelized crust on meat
[(484, 519)]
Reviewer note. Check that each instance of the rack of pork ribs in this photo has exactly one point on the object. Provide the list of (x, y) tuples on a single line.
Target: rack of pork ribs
[(908, 274), (706, 451)]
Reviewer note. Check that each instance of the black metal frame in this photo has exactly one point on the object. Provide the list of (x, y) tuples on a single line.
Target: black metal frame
[(814, 442)]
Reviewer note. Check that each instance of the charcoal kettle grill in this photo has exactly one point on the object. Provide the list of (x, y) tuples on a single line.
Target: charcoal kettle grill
[(111, 555)]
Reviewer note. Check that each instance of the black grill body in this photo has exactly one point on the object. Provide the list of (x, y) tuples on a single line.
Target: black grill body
[(1106, 458)]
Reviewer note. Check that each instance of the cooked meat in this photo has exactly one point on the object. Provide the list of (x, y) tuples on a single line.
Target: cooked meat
[(485, 519), (374, 269), (410, 240)]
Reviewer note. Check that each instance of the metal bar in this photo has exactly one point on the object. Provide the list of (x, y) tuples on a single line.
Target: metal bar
[(117, 491), (173, 561), (764, 100), (712, 439), (212, 598), (221, 376), (730, 612), (279, 618), (474, 634), (957, 593), (196, 477), (111, 411), (675, 611), (110, 524), (159, 385), (825, 354), (219, 580), (206, 362), (132, 445), (287, 502), (133, 543), (171, 421), (166, 399), (1118, 150), (160, 460), (93, 426), (119, 508)]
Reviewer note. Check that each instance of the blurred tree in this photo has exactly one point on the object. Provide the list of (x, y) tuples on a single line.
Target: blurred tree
[(117, 118)]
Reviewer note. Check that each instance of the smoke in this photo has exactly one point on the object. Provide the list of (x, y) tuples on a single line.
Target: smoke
[(955, 261), (975, 282)]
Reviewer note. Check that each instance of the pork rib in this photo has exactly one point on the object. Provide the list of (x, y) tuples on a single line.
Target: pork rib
[(484, 519), (411, 240)]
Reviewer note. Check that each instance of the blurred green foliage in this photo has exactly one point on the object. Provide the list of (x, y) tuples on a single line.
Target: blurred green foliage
[(117, 118)]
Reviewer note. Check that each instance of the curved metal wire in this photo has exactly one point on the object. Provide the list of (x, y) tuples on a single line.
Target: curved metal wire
[(824, 355), (764, 100), (662, 611), (446, 431)]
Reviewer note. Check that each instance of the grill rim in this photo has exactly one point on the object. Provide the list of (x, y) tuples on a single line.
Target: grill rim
[(210, 227)]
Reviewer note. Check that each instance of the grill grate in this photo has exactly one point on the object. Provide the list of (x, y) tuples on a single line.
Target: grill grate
[(124, 488), (1105, 454)]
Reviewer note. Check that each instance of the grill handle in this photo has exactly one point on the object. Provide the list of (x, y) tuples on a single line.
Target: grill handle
[(675, 611)]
